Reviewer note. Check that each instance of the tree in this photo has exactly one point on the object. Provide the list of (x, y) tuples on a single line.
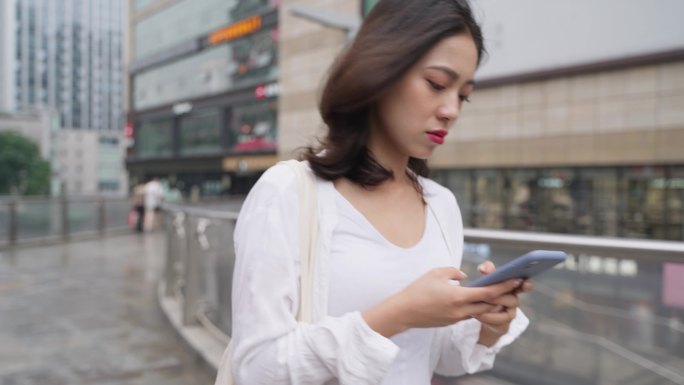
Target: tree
[(22, 170)]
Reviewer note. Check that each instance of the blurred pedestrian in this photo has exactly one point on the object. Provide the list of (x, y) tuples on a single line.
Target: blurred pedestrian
[(153, 200), (386, 305), (138, 203)]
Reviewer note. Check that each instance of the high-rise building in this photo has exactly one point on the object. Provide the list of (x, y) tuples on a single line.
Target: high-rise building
[(66, 55)]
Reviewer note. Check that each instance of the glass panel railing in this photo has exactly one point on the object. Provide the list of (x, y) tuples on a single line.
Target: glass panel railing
[(83, 216), (33, 219), (4, 222), (604, 317), (116, 213), (37, 219)]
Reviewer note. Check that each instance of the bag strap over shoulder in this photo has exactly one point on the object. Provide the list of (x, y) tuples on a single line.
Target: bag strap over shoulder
[(308, 230)]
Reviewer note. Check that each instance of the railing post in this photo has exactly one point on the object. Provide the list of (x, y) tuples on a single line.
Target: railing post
[(65, 217), (175, 222), (13, 223), (192, 275), (102, 218)]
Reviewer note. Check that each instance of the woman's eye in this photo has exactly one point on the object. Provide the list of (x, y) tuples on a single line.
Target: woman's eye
[(464, 98), (436, 86)]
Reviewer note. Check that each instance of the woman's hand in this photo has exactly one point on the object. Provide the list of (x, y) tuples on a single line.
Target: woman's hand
[(496, 323), (433, 300)]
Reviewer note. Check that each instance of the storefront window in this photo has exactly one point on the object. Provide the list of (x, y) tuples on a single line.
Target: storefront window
[(558, 194), (598, 202), (644, 189), (488, 201), (521, 198), (636, 202), (200, 133), (154, 138), (254, 128), (674, 205), (254, 59), (459, 182), (245, 62)]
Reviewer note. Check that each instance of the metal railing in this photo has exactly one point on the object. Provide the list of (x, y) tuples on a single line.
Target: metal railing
[(605, 317), (199, 264), (45, 219)]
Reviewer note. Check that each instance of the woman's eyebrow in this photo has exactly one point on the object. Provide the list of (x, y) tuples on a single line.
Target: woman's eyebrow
[(451, 73)]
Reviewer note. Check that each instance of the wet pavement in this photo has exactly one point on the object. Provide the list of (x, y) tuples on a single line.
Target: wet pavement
[(87, 313)]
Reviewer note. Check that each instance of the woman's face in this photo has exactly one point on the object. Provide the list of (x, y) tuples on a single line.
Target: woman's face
[(415, 114)]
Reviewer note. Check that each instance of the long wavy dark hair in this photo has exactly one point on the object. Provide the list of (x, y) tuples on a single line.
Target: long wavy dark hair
[(394, 36)]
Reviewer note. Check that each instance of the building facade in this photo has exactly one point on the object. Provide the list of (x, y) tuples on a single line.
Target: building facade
[(64, 55), (203, 91), (562, 136), (89, 162)]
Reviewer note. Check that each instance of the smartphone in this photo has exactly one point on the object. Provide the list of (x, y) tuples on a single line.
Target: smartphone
[(523, 267)]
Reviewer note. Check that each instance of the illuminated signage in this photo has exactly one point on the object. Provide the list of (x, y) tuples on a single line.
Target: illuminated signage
[(267, 91), (234, 31), (128, 130), (182, 108)]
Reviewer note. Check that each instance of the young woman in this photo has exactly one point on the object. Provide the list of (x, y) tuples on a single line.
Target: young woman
[(388, 308)]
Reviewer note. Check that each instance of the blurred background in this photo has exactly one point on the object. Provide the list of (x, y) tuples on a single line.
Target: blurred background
[(574, 140)]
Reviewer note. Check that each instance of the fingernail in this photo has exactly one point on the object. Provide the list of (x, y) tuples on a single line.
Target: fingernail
[(464, 274), (480, 267), (517, 282)]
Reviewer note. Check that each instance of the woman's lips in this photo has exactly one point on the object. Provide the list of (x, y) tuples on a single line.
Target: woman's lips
[(437, 136)]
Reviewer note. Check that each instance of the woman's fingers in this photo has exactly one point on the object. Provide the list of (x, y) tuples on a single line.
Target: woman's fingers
[(488, 293), (506, 301), (486, 267)]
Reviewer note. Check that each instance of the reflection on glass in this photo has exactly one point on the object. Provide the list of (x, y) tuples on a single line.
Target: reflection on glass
[(245, 62), (674, 205), (598, 319), (255, 127), (521, 190), (200, 133), (644, 188), (637, 202), (154, 138), (598, 202), (189, 19), (488, 207), (459, 182)]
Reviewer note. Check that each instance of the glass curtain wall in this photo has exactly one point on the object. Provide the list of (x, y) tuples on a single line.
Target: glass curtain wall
[(644, 202)]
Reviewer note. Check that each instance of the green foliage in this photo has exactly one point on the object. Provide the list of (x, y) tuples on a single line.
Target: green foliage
[(22, 170)]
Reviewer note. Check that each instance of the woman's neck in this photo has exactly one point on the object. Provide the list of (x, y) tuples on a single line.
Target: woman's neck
[(389, 158)]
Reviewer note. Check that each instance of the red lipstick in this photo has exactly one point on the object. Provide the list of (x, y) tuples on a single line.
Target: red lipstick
[(437, 136)]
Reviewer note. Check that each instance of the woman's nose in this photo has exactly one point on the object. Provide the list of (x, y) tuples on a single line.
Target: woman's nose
[(448, 112)]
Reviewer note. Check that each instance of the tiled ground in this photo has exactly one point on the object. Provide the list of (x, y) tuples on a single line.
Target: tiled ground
[(86, 313)]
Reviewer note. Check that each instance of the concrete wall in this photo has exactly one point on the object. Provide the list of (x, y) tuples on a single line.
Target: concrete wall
[(306, 52), (612, 117)]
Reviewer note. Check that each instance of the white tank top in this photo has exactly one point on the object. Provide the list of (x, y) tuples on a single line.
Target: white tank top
[(365, 269)]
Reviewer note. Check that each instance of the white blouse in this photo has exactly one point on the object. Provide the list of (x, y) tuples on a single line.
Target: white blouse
[(366, 268), (270, 347)]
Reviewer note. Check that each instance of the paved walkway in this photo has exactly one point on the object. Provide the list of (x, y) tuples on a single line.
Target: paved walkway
[(86, 313)]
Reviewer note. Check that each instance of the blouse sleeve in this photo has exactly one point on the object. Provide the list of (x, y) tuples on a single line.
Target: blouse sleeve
[(269, 345), (455, 348), (460, 353)]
